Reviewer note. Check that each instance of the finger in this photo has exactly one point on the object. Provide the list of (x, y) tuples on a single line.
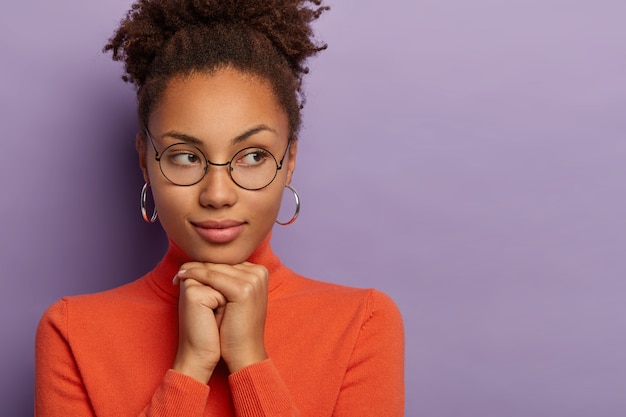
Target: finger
[(219, 315), (202, 272), (235, 283), (197, 293), (247, 266), (193, 264), (176, 279), (225, 268)]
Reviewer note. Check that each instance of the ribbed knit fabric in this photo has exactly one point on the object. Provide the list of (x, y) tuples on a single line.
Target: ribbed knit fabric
[(334, 351)]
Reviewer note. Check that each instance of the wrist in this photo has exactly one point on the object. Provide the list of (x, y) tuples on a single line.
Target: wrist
[(243, 361), (194, 369)]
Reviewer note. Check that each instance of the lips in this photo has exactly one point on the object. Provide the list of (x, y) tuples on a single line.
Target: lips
[(222, 231)]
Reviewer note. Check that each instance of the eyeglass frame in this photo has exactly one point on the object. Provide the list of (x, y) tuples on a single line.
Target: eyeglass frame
[(157, 157)]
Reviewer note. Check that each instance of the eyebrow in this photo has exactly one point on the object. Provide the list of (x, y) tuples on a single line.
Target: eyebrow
[(237, 139)]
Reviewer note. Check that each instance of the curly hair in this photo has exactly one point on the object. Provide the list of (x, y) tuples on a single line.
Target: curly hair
[(161, 39)]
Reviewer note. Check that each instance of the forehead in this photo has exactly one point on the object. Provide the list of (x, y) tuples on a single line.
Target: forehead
[(220, 104)]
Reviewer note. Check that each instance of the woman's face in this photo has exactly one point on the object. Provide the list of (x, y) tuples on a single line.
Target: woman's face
[(221, 113)]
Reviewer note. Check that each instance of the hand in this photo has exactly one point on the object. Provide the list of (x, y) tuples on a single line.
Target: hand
[(239, 312), (198, 334)]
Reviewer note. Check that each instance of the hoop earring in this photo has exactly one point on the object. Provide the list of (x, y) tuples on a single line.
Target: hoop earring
[(295, 215), (144, 212)]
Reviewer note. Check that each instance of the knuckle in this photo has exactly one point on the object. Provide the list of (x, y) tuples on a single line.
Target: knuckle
[(194, 295), (247, 289), (261, 273), (202, 295)]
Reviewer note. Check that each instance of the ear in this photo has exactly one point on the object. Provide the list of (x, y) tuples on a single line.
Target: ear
[(142, 150), (291, 163)]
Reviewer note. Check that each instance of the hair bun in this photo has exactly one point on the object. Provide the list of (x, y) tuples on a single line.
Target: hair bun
[(150, 24)]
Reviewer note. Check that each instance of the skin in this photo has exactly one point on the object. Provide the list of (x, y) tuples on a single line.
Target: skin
[(223, 298)]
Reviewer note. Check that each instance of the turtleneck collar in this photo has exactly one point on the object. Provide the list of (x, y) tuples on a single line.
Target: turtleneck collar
[(160, 278)]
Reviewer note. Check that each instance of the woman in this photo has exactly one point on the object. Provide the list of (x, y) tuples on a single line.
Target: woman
[(220, 327)]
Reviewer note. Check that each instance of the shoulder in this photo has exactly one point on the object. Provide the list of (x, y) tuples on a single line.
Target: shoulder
[(300, 285), (365, 305), (355, 325), (128, 293), (131, 314), (96, 307)]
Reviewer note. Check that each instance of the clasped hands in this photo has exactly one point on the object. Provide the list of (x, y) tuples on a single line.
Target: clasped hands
[(221, 314)]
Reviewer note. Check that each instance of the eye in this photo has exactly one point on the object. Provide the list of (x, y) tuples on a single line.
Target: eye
[(252, 157), (182, 157), (185, 159)]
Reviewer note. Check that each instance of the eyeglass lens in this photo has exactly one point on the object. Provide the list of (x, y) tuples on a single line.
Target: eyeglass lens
[(250, 168)]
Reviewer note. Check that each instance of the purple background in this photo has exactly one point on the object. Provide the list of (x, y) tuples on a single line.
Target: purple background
[(466, 157)]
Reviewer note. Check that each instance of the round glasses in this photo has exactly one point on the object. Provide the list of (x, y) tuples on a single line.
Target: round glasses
[(251, 168)]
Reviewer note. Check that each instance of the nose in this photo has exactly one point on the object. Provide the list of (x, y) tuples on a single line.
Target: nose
[(218, 189)]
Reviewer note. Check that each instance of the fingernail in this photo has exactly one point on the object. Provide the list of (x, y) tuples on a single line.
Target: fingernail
[(176, 280)]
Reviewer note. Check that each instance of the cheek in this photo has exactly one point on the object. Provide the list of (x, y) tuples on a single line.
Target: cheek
[(172, 203), (265, 204), (168, 198), (275, 194)]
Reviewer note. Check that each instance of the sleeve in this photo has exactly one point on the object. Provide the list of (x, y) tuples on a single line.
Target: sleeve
[(178, 395), (59, 389), (373, 385), (259, 391)]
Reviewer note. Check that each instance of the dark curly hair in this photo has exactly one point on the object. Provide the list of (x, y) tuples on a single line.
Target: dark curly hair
[(160, 39)]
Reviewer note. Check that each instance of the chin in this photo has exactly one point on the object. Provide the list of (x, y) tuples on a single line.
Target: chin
[(229, 254)]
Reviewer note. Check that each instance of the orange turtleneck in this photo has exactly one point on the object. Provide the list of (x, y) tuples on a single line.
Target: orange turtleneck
[(334, 351)]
